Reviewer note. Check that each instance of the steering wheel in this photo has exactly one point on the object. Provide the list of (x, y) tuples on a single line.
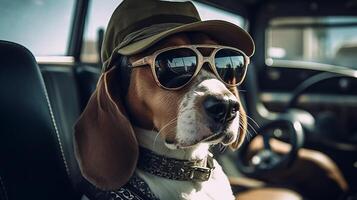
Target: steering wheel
[(324, 123), (309, 83), (267, 160)]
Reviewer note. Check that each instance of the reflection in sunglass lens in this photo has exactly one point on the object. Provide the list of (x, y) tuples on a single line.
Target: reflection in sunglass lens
[(174, 68), (230, 65)]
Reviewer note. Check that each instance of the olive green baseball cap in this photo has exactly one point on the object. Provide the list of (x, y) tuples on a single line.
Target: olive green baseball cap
[(137, 25)]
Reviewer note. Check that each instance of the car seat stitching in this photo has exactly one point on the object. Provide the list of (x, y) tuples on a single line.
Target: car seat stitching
[(54, 123), (56, 130)]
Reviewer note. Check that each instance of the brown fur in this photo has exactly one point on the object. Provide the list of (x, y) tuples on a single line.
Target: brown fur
[(242, 122), (105, 144)]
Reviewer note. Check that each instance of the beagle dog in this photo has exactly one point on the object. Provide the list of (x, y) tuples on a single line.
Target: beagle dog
[(173, 124)]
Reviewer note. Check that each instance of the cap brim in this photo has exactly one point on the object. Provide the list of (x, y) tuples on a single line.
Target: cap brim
[(224, 32)]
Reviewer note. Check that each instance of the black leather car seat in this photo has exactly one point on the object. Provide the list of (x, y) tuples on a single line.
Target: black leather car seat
[(64, 98), (32, 161), (86, 77), (69, 89)]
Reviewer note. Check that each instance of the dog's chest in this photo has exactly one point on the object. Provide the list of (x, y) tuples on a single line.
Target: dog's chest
[(217, 187)]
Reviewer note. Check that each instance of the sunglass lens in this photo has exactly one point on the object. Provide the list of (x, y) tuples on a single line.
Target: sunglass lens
[(230, 65), (174, 68)]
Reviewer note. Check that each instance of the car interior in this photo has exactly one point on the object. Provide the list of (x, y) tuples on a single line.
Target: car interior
[(300, 94)]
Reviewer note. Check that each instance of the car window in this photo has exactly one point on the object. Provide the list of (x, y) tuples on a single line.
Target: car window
[(101, 10), (43, 26), (327, 40)]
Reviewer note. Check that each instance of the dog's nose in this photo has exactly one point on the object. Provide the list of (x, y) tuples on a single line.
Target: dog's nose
[(219, 109)]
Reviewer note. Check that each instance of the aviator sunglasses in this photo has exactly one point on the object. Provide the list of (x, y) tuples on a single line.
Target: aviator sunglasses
[(174, 67)]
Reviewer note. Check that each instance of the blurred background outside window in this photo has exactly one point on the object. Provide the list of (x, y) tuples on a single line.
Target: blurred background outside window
[(43, 26), (327, 40)]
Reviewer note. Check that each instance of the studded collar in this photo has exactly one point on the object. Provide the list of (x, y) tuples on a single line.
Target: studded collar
[(175, 169)]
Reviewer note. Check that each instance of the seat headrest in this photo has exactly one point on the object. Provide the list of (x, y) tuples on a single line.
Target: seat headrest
[(32, 162)]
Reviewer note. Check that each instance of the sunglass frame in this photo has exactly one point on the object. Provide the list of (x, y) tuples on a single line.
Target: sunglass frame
[(150, 60)]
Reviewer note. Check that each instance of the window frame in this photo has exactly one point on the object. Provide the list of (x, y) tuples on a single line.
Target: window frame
[(77, 30)]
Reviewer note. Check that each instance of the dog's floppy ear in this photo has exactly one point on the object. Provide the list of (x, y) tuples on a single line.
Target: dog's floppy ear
[(105, 144), (242, 122)]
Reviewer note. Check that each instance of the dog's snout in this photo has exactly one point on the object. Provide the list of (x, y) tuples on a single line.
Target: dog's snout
[(219, 109)]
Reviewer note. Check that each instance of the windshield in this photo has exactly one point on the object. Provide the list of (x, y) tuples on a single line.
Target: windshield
[(327, 40), (42, 26)]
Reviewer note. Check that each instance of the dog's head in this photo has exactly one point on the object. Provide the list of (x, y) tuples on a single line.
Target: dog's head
[(204, 111)]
